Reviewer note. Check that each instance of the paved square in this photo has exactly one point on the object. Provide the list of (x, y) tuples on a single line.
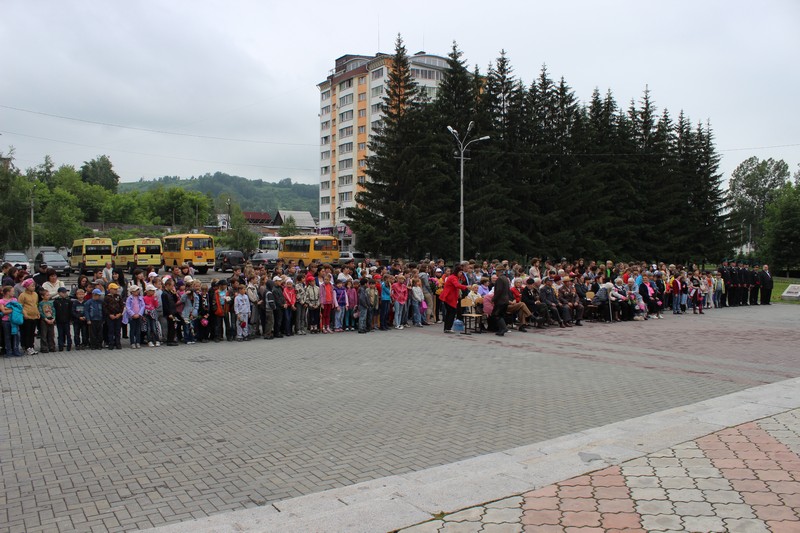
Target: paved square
[(123, 440)]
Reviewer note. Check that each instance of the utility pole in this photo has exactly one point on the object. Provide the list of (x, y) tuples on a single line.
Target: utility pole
[(33, 192)]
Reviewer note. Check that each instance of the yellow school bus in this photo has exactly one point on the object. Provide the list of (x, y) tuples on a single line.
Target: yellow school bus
[(197, 248), (135, 253), (303, 249), (91, 254)]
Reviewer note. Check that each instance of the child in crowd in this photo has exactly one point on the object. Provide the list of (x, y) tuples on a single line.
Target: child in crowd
[(312, 301), (203, 314), (340, 295), (113, 307), (241, 306), (151, 305), (364, 305), (302, 305), (280, 306), (290, 295), (80, 330), (190, 305), (93, 311), (352, 305), (63, 308), (133, 313), (11, 328), (327, 299), (417, 299), (47, 323)]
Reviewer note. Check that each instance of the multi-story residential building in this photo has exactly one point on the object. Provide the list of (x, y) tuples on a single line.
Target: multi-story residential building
[(350, 110)]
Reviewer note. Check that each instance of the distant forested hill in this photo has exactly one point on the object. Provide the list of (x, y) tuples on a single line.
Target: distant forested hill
[(252, 195)]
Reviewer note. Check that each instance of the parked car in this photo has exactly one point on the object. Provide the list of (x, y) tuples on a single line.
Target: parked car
[(18, 260), (53, 260), (346, 257), (228, 259), (263, 258)]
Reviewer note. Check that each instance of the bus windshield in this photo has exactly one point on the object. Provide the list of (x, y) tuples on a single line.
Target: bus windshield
[(268, 244), (152, 249), (198, 243)]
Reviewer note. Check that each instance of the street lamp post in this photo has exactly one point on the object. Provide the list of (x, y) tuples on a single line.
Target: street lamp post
[(33, 192), (228, 203), (462, 147)]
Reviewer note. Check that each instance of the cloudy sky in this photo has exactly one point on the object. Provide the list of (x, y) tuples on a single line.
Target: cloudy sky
[(237, 79)]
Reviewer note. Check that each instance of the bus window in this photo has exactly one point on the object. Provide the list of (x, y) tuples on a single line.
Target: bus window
[(153, 249), (98, 249), (325, 245)]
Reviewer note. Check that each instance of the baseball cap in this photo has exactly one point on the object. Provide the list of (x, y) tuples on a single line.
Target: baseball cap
[(113, 286), (97, 291), (62, 289)]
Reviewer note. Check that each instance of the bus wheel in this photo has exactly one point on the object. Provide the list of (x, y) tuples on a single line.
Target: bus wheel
[(202, 270)]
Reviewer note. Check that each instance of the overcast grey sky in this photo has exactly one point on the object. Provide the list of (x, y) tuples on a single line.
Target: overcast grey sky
[(240, 69)]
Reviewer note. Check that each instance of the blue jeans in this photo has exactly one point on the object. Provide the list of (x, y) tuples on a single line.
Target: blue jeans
[(676, 303), (363, 314), (64, 335), (135, 332), (398, 314), (339, 318), (188, 335), (415, 312), (384, 310), (12, 341)]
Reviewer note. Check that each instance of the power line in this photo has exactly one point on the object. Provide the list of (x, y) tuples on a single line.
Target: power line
[(159, 155), (149, 130)]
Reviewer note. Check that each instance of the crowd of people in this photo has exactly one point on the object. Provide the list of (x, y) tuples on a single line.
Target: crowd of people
[(103, 309)]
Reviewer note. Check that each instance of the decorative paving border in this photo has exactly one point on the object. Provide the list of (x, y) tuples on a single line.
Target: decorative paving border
[(394, 502)]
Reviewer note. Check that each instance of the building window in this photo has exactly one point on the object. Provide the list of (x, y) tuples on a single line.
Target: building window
[(325, 125), (344, 164), (346, 180), (362, 130), (377, 91), (347, 115), (430, 92), (347, 131), (325, 110), (362, 113), (324, 170), (362, 180), (346, 84), (377, 73), (376, 108), (325, 95), (346, 196), (325, 140), (346, 100), (362, 97), (342, 213), (362, 163), (345, 148), (362, 80), (325, 185), (362, 146), (325, 155), (325, 200), (376, 125), (325, 215), (426, 74)]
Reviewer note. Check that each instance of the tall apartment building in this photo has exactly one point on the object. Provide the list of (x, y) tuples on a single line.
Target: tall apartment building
[(350, 110)]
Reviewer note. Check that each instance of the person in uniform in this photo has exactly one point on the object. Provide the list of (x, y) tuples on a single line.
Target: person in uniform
[(755, 284), (725, 272), (733, 295), (744, 285)]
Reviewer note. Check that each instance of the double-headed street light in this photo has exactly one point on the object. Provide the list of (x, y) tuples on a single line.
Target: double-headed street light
[(463, 144)]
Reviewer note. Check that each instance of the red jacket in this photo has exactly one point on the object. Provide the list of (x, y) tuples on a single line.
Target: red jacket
[(450, 292)]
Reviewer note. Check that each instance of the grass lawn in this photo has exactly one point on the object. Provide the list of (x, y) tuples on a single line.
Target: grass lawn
[(780, 285)]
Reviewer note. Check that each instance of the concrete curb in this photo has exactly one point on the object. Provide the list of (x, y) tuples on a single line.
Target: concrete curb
[(399, 501)]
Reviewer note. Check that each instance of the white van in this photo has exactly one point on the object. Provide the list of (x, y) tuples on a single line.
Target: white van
[(268, 250)]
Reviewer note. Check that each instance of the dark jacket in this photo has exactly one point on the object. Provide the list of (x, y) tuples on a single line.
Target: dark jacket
[(78, 308), (63, 308), (169, 302), (113, 305), (766, 279)]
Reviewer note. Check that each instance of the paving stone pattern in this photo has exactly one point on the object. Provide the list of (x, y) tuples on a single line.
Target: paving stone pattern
[(744, 479), (123, 440)]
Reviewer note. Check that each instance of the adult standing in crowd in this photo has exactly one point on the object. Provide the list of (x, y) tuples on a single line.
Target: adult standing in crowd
[(766, 286), (450, 297)]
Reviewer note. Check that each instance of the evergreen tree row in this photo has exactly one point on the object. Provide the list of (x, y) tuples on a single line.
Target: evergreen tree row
[(556, 178)]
